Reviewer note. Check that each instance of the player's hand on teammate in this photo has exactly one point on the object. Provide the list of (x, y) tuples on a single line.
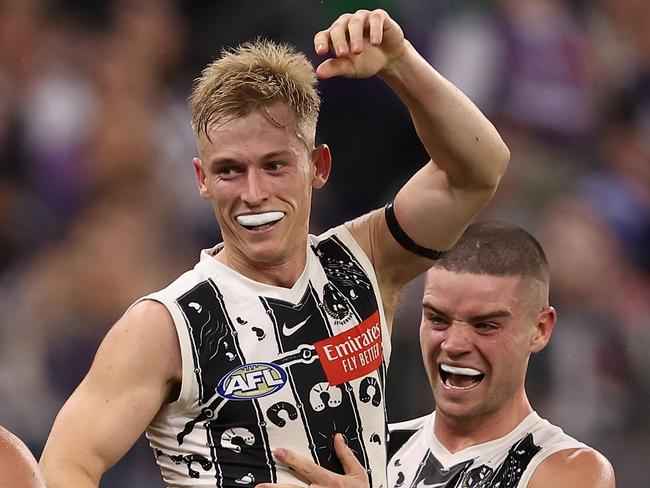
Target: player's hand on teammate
[(363, 44), (318, 477)]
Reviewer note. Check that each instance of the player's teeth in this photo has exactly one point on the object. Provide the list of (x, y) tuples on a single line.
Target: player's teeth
[(253, 220), (456, 370)]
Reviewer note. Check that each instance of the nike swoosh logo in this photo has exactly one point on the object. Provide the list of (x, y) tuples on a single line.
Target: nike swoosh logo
[(287, 331), (422, 484)]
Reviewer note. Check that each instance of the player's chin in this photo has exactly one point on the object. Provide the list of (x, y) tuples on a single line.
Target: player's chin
[(456, 409), (269, 252)]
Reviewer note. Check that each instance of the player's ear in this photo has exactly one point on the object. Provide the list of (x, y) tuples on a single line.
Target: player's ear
[(200, 178), (546, 320), (322, 160)]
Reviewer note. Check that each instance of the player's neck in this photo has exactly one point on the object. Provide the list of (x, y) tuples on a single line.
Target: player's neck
[(283, 274), (458, 433)]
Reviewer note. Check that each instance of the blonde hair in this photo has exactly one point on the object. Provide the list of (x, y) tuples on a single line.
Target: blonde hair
[(252, 76)]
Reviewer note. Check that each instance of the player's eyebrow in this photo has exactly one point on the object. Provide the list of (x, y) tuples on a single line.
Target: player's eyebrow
[(497, 314), (225, 161), (276, 154), (434, 310)]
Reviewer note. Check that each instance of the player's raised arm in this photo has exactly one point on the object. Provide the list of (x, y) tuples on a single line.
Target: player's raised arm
[(467, 154)]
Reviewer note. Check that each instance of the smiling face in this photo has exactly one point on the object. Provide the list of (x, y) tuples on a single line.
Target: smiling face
[(259, 176), (477, 333)]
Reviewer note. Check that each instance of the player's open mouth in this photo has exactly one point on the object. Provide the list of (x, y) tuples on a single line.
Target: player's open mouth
[(458, 377), (259, 221)]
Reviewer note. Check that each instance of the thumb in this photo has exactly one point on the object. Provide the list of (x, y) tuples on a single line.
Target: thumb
[(335, 67)]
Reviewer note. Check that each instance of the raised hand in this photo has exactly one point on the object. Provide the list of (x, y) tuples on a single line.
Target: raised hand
[(363, 44), (318, 477)]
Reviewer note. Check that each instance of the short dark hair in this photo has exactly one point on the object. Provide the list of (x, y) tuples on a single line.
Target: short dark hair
[(499, 249)]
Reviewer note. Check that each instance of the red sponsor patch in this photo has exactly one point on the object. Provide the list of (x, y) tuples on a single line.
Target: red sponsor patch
[(353, 353)]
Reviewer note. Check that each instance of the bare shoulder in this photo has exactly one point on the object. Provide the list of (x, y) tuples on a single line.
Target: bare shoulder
[(147, 322), (394, 265), (584, 467), (145, 338), (18, 467), (362, 229), (149, 313), (367, 230)]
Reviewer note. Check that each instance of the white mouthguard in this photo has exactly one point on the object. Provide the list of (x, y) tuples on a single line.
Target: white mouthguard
[(455, 370), (254, 220)]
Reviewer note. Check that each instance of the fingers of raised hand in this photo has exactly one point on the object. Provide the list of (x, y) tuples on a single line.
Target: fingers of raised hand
[(356, 27), (338, 33), (347, 33), (377, 19)]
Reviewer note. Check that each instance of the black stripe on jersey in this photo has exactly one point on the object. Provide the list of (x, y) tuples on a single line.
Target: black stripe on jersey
[(241, 434), (397, 439), (324, 409), (237, 436), (431, 472), (297, 324), (512, 469), (211, 334), (506, 475), (315, 328), (211, 444), (193, 315), (347, 275), (349, 278), (299, 407)]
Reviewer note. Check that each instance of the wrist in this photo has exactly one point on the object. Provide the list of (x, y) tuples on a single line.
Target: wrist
[(399, 62)]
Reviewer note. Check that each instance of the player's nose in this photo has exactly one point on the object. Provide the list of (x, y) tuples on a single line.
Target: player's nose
[(457, 339), (255, 191)]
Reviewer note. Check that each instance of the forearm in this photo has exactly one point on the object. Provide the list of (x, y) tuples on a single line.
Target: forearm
[(459, 139)]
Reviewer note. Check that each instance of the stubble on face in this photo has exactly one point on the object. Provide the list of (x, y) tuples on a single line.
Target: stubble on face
[(502, 355)]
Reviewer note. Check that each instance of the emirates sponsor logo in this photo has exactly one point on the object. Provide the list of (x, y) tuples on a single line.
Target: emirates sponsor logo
[(353, 353)]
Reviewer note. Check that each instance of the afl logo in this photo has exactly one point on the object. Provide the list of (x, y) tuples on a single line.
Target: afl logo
[(253, 380)]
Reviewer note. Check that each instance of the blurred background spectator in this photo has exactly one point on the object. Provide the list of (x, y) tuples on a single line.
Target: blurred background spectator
[(98, 204)]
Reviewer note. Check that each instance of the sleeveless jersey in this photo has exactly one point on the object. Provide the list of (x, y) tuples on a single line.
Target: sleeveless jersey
[(419, 460), (267, 367)]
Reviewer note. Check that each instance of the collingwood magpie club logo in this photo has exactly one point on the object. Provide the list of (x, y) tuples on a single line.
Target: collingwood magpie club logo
[(252, 380), (336, 305)]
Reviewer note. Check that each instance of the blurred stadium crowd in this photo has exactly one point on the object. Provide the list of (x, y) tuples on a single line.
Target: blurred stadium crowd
[(98, 203)]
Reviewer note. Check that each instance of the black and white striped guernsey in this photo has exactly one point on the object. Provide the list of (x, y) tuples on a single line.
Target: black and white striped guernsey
[(418, 460), (267, 367)]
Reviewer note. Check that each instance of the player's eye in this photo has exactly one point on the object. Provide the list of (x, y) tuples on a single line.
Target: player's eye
[(227, 171), (274, 166), (485, 326), (438, 321)]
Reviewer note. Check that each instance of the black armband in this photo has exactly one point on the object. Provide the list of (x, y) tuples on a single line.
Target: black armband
[(405, 241)]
